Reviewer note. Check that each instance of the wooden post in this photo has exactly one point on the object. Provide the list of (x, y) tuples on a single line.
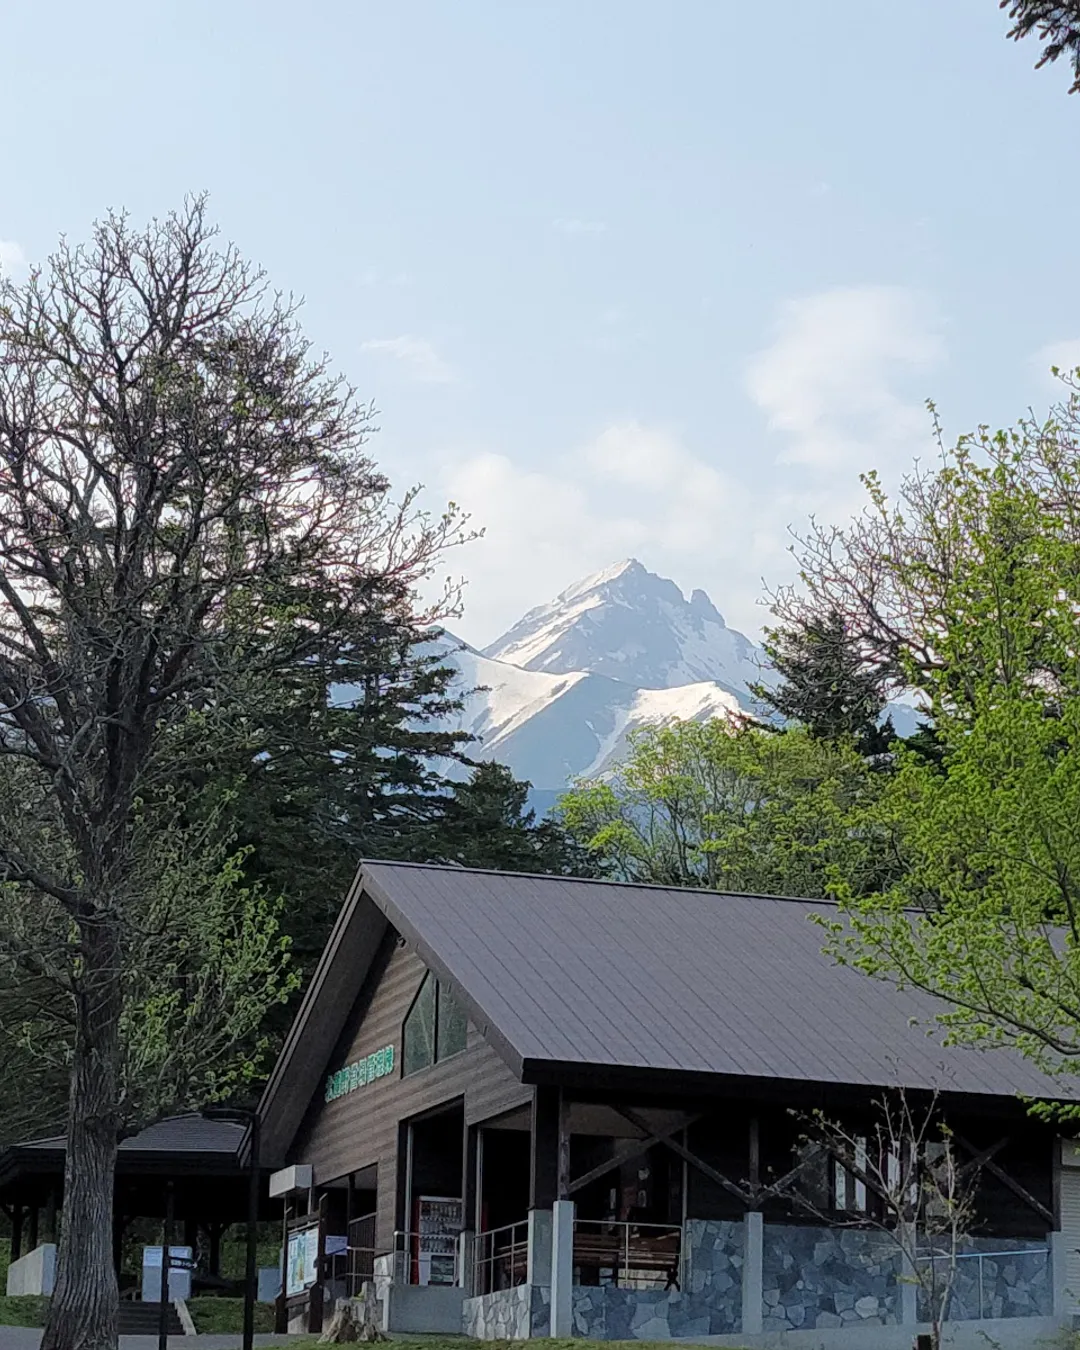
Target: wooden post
[(317, 1297), (119, 1224), (563, 1180), (544, 1158), (50, 1215), (16, 1231), (166, 1239), (281, 1307), (214, 1231), (469, 1178), (755, 1153), (32, 1241)]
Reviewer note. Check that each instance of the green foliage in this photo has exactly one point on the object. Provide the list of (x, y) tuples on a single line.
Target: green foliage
[(827, 684), (486, 822), (986, 913), (346, 760), (738, 809), (25, 1310), (227, 1315)]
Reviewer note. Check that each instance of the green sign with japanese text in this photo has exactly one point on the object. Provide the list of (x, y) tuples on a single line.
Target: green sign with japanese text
[(360, 1073)]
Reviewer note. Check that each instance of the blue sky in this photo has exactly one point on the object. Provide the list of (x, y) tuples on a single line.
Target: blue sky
[(622, 277)]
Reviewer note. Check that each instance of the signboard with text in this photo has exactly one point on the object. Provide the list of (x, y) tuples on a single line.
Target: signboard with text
[(302, 1261), (365, 1070)]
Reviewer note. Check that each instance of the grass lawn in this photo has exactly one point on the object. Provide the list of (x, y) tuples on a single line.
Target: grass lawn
[(25, 1311), (227, 1314)]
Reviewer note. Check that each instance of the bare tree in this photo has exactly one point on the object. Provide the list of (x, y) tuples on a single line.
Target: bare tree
[(902, 1177), (902, 577), (186, 508)]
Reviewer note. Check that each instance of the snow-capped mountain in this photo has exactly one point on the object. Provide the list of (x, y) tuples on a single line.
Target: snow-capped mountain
[(556, 697), (551, 728), (635, 627)]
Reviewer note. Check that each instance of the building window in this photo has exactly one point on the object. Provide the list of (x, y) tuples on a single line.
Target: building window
[(435, 1026), (849, 1193)]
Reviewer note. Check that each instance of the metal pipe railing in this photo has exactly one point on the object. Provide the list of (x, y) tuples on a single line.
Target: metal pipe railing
[(501, 1259), (982, 1257), (631, 1255)]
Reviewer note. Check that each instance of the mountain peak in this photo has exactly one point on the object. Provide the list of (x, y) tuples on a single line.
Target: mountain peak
[(629, 568), (631, 625)]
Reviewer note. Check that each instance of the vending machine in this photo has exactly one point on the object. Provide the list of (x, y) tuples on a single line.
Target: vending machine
[(436, 1226)]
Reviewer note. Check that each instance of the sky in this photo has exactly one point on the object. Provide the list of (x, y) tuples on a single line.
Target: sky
[(623, 278)]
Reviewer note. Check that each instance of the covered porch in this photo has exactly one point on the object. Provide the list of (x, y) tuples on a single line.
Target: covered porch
[(662, 1222)]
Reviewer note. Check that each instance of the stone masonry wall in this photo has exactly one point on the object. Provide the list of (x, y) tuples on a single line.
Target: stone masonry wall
[(1016, 1281), (501, 1316), (605, 1313), (508, 1314), (709, 1303), (816, 1277)]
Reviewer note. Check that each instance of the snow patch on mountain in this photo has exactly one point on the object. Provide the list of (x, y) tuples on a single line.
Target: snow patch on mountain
[(634, 626), (551, 728), (557, 696)]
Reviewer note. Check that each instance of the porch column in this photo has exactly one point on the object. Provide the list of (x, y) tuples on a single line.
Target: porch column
[(909, 1288), (753, 1260), (562, 1268), (544, 1161), (1064, 1257), (539, 1256), (469, 1207), (16, 1231), (547, 1186), (32, 1241)]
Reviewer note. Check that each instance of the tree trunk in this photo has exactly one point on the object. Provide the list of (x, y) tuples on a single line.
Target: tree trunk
[(85, 1303)]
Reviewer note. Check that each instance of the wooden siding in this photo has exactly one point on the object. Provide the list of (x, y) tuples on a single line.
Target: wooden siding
[(362, 1127)]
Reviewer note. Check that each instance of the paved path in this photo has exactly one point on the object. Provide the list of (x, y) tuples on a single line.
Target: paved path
[(24, 1338)]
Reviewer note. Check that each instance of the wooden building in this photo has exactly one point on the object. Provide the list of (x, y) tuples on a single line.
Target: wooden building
[(188, 1166), (530, 1106)]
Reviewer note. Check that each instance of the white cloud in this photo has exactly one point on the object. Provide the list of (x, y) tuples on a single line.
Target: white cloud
[(836, 379), (573, 226), (834, 389), (632, 490), (419, 356), (12, 258)]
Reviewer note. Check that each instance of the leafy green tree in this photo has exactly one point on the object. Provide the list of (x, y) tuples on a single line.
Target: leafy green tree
[(487, 823), (924, 584), (187, 513), (706, 804), (1056, 23), (986, 912), (347, 760), (827, 685)]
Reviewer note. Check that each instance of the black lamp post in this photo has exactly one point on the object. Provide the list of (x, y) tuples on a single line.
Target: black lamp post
[(249, 1117)]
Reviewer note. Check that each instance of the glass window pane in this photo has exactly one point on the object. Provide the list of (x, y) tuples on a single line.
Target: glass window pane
[(452, 1023), (418, 1038)]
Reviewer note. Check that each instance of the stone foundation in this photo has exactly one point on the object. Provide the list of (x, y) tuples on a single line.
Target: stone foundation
[(817, 1277), (814, 1279), (605, 1313), (713, 1261), (508, 1314), (1016, 1283)]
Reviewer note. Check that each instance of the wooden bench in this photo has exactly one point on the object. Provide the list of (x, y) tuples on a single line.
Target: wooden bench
[(618, 1251)]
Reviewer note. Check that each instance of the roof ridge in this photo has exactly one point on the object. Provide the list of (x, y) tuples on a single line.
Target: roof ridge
[(457, 869)]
